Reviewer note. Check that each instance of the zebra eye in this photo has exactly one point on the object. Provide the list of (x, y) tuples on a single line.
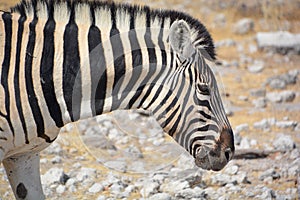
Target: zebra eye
[(204, 89)]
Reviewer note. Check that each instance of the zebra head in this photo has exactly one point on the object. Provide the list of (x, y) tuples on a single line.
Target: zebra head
[(207, 134)]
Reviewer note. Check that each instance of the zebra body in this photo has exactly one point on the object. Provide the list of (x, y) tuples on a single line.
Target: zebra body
[(64, 61)]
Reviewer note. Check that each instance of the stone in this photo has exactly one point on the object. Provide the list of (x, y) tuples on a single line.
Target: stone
[(190, 193), (257, 67), (284, 143), (258, 92), (95, 188), (174, 186), (86, 173), (269, 173), (242, 127), (56, 160), (286, 124), (60, 189), (160, 196), (260, 102), (231, 170), (243, 26), (287, 96), (221, 179), (294, 171), (274, 97), (245, 143), (277, 84), (101, 197), (281, 41), (116, 188), (150, 188), (53, 175), (263, 124), (220, 20)]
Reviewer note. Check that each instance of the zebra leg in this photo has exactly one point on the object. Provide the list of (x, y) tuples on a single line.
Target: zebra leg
[(23, 172)]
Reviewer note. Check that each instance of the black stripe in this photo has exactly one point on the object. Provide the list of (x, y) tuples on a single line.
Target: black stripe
[(146, 96), (208, 127), (46, 72), (169, 119), (158, 91), (135, 97), (98, 68), (21, 21), (119, 60), (71, 69), (206, 115), (5, 65), (181, 132), (33, 101), (163, 102), (204, 103)]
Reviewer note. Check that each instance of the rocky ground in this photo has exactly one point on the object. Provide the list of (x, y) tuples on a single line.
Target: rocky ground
[(259, 79)]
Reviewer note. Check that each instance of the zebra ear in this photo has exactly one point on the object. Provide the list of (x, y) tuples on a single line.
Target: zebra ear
[(180, 39)]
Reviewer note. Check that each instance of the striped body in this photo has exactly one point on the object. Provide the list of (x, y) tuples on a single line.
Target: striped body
[(61, 62)]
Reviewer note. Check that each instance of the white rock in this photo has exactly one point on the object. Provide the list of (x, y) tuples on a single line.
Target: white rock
[(281, 39), (160, 196), (96, 187), (256, 67), (241, 128), (243, 26), (53, 175), (149, 188), (284, 143), (60, 189), (86, 173)]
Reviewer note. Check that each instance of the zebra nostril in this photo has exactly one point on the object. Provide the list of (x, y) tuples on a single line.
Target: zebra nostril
[(227, 154)]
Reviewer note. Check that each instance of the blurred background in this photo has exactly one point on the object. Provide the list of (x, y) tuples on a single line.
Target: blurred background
[(258, 46)]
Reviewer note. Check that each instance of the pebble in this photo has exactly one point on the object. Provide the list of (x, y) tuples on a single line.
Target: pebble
[(260, 102), (284, 143), (174, 186), (277, 84), (269, 173), (286, 124), (281, 41), (241, 128), (231, 170), (149, 188), (160, 196), (53, 175), (243, 26), (190, 193), (86, 173), (96, 187), (274, 97), (258, 92), (60, 189), (56, 160), (220, 20), (256, 67), (264, 124)]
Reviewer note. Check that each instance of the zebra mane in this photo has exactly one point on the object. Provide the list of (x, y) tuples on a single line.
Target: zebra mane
[(200, 36)]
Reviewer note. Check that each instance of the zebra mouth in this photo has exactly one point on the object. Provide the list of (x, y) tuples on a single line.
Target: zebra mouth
[(211, 159)]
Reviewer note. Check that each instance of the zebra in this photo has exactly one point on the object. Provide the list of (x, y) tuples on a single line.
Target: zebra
[(62, 61)]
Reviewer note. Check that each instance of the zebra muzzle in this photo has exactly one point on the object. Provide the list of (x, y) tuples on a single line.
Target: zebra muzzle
[(212, 159)]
